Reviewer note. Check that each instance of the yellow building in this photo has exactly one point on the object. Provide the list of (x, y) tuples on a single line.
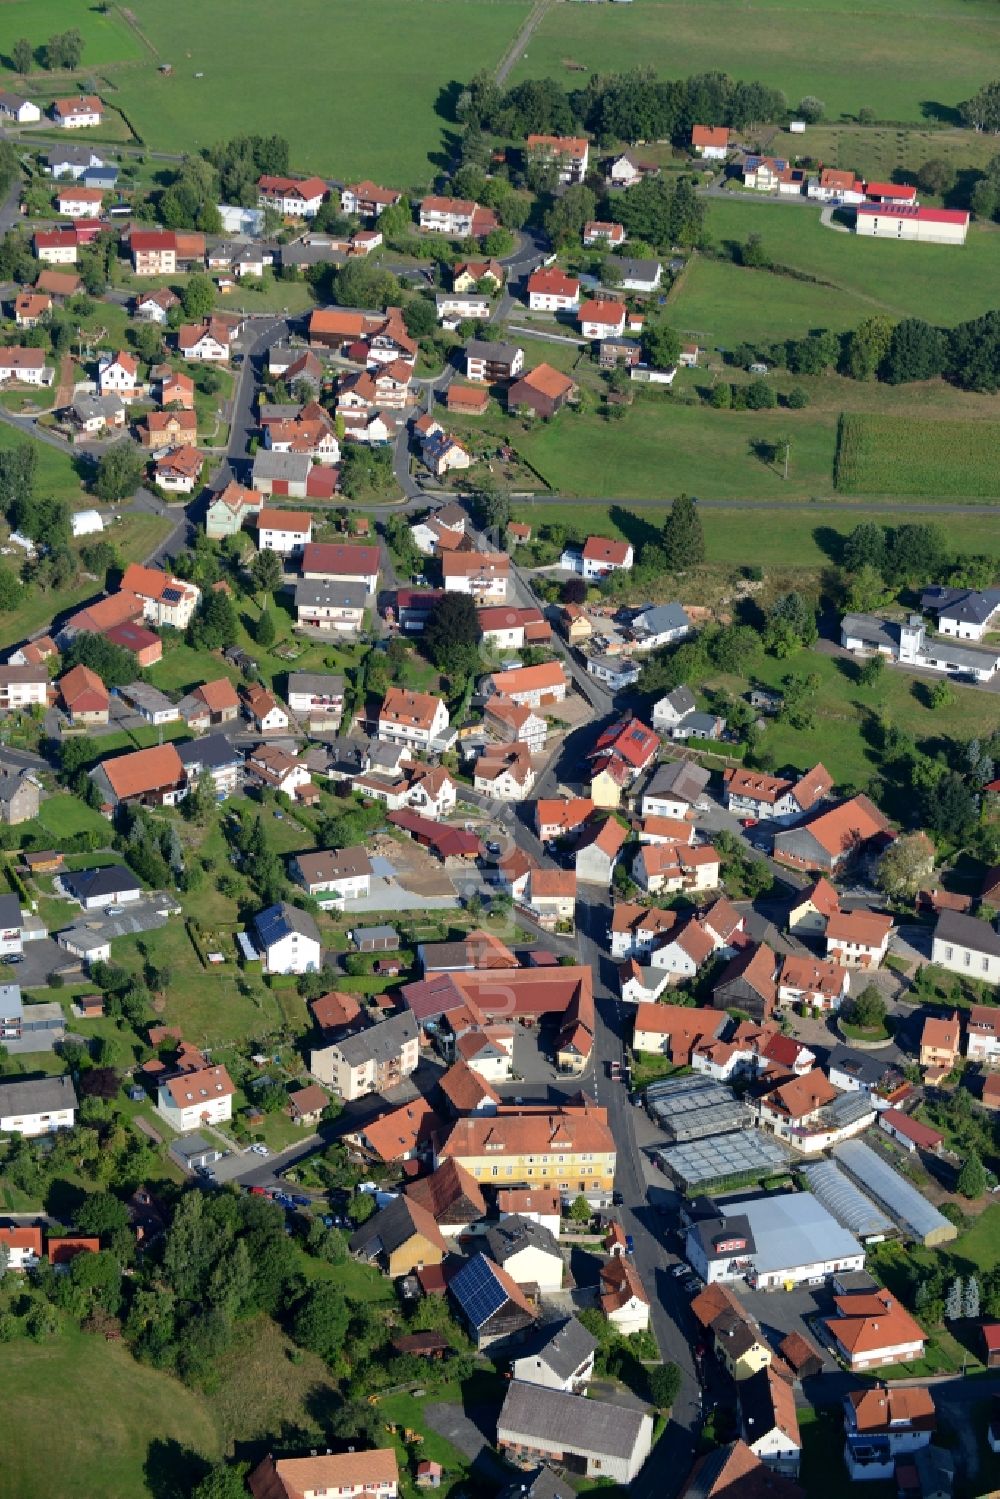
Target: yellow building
[(605, 789), (573, 1152)]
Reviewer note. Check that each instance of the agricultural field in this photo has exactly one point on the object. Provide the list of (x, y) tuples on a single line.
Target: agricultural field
[(882, 454), (878, 152), (315, 76), (945, 284), (879, 54), (107, 36)]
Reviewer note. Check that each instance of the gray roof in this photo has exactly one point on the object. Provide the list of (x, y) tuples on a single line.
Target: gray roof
[(951, 654), (189, 1146), (870, 629), (379, 1043), (76, 156), (97, 930), (511, 1235), (791, 1230), (679, 778), (108, 880), (681, 700), (292, 466), (492, 352), (325, 683), (706, 722), (146, 696), (563, 1346), (10, 912), (385, 1230), (659, 618), (10, 1001), (210, 753), (543, 1484), (85, 407), (698, 1163), (330, 592), (864, 1067), (442, 298), (10, 784), (572, 1423), (637, 270), (968, 605), (845, 1201), (914, 1214), (613, 665), (281, 920), (375, 934), (36, 1095), (285, 411), (967, 931)]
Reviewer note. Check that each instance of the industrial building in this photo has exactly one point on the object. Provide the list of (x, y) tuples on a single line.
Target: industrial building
[(915, 1216), (773, 1242)]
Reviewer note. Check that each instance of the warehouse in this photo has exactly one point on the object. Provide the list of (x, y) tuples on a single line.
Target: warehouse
[(589, 1438), (915, 1216), (848, 1204), (691, 1108), (724, 1162), (773, 1242)]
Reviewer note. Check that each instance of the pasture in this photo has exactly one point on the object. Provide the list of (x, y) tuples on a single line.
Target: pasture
[(943, 283), (357, 91), (721, 304), (877, 152), (879, 454), (905, 64), (107, 37)]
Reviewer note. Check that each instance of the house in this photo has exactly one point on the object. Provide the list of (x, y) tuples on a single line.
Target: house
[(23, 1245), (294, 199), (964, 944), (982, 1034), (78, 113), (78, 202), (288, 940), (601, 318), (71, 161), (711, 142), (211, 704), (813, 908), (451, 1196), (776, 798), (415, 719), (598, 232), (597, 849), (748, 982), (624, 170), (25, 366), (589, 1437), (939, 1042), (834, 186), (527, 1252), (229, 510), (341, 562), (764, 173), (627, 743), (671, 867), (858, 939), (812, 984), (963, 613), (165, 600), (402, 1239), (768, 1421), (467, 1091), (483, 574), (505, 627), (551, 290), (559, 1356), (623, 1298), (263, 709), (348, 1475), (156, 306), (203, 1095), (154, 252), (833, 837), (466, 275), (457, 217), (808, 1112), (372, 1060), (905, 221), (491, 1303), (492, 363), (153, 777), (20, 110), (909, 1132), (504, 773), (84, 697), (306, 1105), (453, 307), (734, 1470), (883, 1423), (317, 697), (543, 390), (530, 686), (337, 608), (367, 200), (659, 625), (206, 342), (569, 155), (737, 1339), (95, 889), (556, 818), (269, 765), (638, 275), (23, 687), (673, 1031), (37, 1106), (871, 1329), (441, 453), (598, 557), (286, 532), (31, 308), (572, 1151), (145, 647), (551, 895), (612, 352), (170, 429), (179, 470), (342, 874), (675, 789), (215, 758)]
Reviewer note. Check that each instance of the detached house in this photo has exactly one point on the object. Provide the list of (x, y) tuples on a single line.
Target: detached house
[(165, 600), (531, 686), (78, 114), (294, 199), (871, 1329), (551, 290), (490, 363), (939, 1042), (982, 1034), (963, 944), (332, 607), (333, 875), (543, 390), (768, 1421), (602, 318), (414, 719), (752, 794), (458, 217), (483, 574), (84, 696), (208, 341), (287, 532), (203, 1095), (662, 867), (288, 940), (858, 939), (347, 1475), (569, 154), (711, 142), (179, 470)]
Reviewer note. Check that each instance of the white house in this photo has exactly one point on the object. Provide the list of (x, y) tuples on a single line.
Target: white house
[(79, 202), (711, 142), (602, 318), (288, 940), (858, 939), (118, 374), (22, 111), (963, 613), (454, 307), (638, 275), (658, 625), (483, 574), (333, 875), (616, 672), (675, 788), (23, 1245), (881, 1425), (37, 1106), (27, 366), (768, 1421), (559, 1357), (599, 556), (527, 1252), (415, 719), (78, 113), (672, 867), (623, 1297), (207, 342), (284, 531), (962, 944), (551, 290), (203, 1095)]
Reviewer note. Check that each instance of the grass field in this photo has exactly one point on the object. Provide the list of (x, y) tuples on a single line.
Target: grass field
[(878, 53), (64, 815), (356, 91), (882, 454), (944, 284), (721, 304), (125, 1430), (877, 151), (56, 473), (106, 37)]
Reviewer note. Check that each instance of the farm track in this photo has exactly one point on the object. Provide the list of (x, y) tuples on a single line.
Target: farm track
[(517, 46)]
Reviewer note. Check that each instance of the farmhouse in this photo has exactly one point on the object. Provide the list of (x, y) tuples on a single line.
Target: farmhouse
[(834, 837), (593, 1438)]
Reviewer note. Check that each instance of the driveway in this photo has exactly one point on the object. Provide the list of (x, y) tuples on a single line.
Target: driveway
[(473, 1434), (40, 961)]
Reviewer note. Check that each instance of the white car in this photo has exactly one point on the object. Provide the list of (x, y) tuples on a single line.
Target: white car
[(260, 1150)]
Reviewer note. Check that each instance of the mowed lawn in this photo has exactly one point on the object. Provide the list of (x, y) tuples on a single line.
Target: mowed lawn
[(882, 54), (355, 89), (106, 37), (720, 304), (943, 283), (124, 1430), (897, 454)]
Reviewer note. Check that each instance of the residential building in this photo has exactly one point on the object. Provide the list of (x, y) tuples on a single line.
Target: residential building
[(373, 1060), (674, 789), (528, 1253), (812, 984), (569, 155), (153, 777), (965, 945), (78, 113), (202, 1095), (84, 697), (348, 1475), (507, 627), (768, 1421), (734, 1470), (207, 342), (166, 600), (154, 252), (601, 318), (638, 275), (457, 217), (739, 1344), (333, 607), (783, 799), (559, 1356), (415, 719), (939, 1042), (882, 1424), (600, 233), (551, 290), (982, 1034), (333, 875), (23, 1245), (834, 186), (597, 849), (595, 1439), (556, 818), (288, 940), (858, 939), (491, 1303), (623, 1298), (24, 366), (809, 1113), (290, 197), (710, 142), (772, 1240), (872, 1329), (659, 625), (367, 200), (674, 1031), (491, 363), (813, 908), (551, 896), (531, 686), (263, 709), (317, 697), (215, 757), (963, 613), (401, 1239), (504, 773), (168, 429), (37, 1106), (908, 644), (574, 1152), (31, 308), (451, 1196), (662, 867), (933, 226), (269, 765), (543, 390), (210, 705), (483, 574), (287, 532), (833, 837), (19, 798), (109, 885), (20, 110)]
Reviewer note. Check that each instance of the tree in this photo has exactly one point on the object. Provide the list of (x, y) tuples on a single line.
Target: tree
[(941, 696), (683, 538), (101, 1214), (664, 1385), (790, 625), (201, 800), (22, 55), (916, 351), (811, 109), (222, 1482), (63, 51), (113, 664), (361, 1207), (872, 670), (215, 624), (321, 1320), (797, 398), (492, 504), (198, 297), (420, 318), (564, 220), (868, 1010), (266, 572), (914, 552), (936, 176), (971, 1298), (982, 111), (753, 255), (905, 865), (972, 1179), (953, 1300), (868, 346), (264, 630), (734, 648), (119, 472), (661, 346), (361, 283), (17, 474), (580, 1210), (451, 635)]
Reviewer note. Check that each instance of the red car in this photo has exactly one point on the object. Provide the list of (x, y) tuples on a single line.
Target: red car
[(748, 822)]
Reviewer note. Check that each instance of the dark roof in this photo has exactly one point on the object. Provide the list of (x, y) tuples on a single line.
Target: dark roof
[(282, 919), (394, 1226), (212, 752), (317, 592), (379, 1042), (36, 1095), (542, 1484), (492, 352), (572, 1422), (863, 1066), (563, 1346), (707, 1232), (88, 883), (511, 1235), (967, 931)]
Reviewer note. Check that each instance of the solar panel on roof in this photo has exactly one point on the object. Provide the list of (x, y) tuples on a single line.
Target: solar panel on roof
[(478, 1291)]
